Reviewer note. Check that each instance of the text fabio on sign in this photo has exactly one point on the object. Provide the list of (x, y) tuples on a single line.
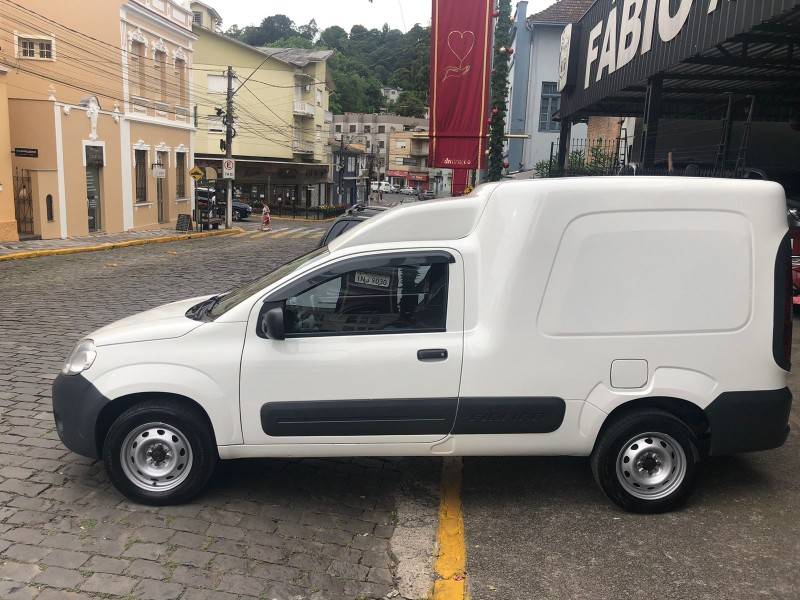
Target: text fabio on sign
[(629, 29)]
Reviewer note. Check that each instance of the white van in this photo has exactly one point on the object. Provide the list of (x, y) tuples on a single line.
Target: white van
[(644, 322), (381, 186)]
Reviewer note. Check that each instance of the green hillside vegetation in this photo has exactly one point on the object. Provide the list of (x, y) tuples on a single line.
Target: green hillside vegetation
[(365, 60)]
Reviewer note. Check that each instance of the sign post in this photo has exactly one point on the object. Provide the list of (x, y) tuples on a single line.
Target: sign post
[(196, 174)]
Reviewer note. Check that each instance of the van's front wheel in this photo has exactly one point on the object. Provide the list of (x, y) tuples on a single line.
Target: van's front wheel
[(159, 453), (646, 461)]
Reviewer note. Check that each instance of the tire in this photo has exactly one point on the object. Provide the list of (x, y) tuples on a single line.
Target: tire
[(646, 461), (172, 440)]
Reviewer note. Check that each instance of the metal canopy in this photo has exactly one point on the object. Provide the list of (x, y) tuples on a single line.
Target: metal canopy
[(763, 61)]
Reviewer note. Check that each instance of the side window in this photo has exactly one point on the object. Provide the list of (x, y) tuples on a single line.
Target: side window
[(376, 299)]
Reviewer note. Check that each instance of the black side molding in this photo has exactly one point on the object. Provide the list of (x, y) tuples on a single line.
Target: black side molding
[(749, 421), (509, 415), (782, 319), (419, 416)]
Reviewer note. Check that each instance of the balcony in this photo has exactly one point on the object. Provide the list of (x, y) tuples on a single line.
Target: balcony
[(304, 109), (302, 147)]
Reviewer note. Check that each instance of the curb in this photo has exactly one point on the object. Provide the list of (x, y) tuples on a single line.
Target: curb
[(115, 245)]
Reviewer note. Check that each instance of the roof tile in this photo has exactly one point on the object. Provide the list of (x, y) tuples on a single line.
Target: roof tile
[(562, 11)]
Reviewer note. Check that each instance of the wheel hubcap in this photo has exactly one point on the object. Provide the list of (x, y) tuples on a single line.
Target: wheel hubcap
[(156, 457), (651, 466)]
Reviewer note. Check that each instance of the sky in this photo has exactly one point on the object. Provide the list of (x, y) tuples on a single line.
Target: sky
[(399, 14)]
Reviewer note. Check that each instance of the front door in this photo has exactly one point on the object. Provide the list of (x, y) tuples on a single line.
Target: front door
[(161, 185), (372, 354), (93, 197)]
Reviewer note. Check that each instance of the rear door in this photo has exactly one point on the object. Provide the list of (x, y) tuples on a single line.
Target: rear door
[(373, 354)]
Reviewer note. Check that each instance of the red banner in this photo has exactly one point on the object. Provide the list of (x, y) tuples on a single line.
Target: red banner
[(461, 47)]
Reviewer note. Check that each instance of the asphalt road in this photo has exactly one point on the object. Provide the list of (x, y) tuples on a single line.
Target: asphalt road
[(540, 528)]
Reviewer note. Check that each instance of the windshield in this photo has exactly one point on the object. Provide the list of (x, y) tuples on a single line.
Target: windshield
[(235, 296)]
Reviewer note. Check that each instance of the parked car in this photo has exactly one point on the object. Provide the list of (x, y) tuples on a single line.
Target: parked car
[(381, 186), (409, 191), (395, 189), (241, 211), (462, 327), (426, 195), (796, 280), (354, 215)]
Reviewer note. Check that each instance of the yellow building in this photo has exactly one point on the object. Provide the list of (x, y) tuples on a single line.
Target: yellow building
[(282, 121), (408, 159), (99, 97), (8, 221)]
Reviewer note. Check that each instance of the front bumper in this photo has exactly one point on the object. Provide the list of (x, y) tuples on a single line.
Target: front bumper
[(76, 408), (749, 421)]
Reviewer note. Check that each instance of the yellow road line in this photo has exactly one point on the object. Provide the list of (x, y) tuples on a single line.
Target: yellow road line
[(115, 245), (451, 563), (260, 234)]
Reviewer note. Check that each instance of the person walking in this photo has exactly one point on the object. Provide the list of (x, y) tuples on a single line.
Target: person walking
[(266, 220)]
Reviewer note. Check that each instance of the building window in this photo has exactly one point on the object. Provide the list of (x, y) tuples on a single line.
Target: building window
[(401, 144), (367, 129), (381, 144), (551, 102), (36, 48), (319, 97), (381, 128), (352, 128), (141, 175), (180, 175), (368, 144), (338, 129), (137, 64), (161, 68), (180, 71), (48, 202), (197, 18), (217, 84)]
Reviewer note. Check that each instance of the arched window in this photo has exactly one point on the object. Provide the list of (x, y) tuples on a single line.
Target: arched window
[(49, 205)]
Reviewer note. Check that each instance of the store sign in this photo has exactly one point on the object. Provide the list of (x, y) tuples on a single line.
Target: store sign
[(629, 29), (26, 152)]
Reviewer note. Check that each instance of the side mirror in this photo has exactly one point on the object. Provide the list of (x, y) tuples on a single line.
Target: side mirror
[(272, 324)]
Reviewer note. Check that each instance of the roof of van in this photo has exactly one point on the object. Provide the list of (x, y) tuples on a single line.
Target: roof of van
[(455, 218)]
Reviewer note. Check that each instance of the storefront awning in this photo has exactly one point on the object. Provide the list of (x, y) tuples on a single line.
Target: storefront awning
[(701, 51)]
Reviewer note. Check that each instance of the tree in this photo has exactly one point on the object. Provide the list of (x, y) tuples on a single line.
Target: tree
[(271, 30), (309, 31), (497, 131), (334, 38), (409, 104)]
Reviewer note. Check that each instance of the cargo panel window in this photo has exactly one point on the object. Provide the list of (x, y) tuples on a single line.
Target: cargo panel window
[(650, 273)]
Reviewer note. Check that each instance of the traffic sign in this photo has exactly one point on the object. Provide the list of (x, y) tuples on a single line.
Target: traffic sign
[(228, 168), (197, 173)]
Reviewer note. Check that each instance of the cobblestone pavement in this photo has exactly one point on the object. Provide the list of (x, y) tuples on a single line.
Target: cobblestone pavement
[(276, 529)]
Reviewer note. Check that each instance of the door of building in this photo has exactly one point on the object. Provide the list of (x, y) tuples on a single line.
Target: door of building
[(94, 164), (23, 204), (161, 185)]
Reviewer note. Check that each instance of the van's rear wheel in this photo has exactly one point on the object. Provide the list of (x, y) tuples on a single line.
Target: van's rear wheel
[(646, 461), (160, 453)]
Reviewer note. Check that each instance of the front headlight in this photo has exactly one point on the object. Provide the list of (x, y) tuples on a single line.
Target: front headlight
[(81, 358)]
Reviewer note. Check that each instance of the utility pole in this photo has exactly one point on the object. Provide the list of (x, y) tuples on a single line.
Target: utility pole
[(229, 145)]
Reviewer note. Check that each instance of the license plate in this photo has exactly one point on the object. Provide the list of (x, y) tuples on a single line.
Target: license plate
[(372, 279)]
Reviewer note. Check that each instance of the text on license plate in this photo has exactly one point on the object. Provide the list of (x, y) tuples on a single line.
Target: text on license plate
[(373, 279)]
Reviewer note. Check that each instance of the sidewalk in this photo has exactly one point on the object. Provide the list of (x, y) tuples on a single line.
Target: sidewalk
[(99, 241)]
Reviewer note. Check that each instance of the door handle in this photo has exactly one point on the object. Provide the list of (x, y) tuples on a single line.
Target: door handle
[(432, 354)]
